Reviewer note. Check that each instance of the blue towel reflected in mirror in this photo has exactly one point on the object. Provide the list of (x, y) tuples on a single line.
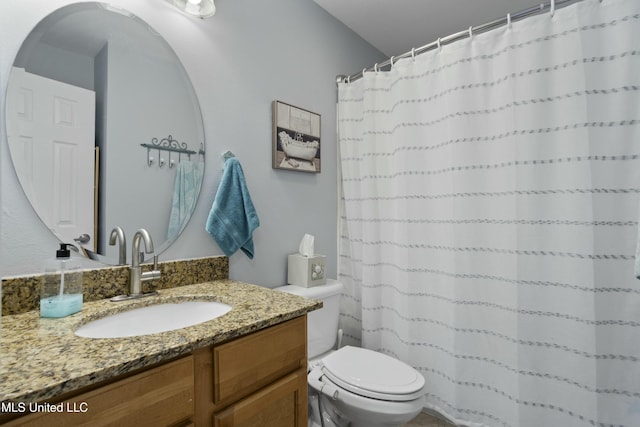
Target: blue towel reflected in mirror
[(185, 195)]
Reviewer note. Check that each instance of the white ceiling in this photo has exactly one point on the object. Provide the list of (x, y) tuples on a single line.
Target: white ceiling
[(396, 26)]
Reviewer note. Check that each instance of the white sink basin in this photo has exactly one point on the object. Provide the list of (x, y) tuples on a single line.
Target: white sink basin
[(153, 319)]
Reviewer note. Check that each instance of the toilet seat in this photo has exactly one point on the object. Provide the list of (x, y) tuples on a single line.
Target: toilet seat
[(372, 374)]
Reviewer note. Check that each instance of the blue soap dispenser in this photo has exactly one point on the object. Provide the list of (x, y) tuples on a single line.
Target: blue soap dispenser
[(61, 291)]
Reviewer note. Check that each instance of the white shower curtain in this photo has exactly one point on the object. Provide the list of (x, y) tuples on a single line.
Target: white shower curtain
[(489, 203)]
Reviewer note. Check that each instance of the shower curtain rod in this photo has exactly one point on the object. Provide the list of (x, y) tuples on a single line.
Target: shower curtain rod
[(460, 35)]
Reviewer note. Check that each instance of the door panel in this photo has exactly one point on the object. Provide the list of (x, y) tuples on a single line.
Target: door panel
[(50, 128)]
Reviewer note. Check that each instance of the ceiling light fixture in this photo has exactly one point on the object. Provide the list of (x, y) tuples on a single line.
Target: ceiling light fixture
[(199, 8)]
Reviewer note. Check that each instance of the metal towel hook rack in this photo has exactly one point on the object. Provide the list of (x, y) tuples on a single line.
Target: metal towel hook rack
[(171, 146)]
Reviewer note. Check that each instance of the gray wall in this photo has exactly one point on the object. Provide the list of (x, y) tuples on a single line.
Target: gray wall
[(249, 54), (59, 64), (145, 100)]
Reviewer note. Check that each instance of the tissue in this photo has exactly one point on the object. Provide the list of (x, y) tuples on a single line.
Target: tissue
[(306, 268), (306, 245)]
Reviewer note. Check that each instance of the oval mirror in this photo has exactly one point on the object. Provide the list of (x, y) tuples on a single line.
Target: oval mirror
[(104, 129)]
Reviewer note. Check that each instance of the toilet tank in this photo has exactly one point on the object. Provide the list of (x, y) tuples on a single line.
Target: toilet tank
[(322, 324)]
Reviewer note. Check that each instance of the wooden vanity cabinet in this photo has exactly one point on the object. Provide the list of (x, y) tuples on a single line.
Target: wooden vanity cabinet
[(259, 380)]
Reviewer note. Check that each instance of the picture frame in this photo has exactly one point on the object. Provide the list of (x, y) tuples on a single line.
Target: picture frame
[(296, 138)]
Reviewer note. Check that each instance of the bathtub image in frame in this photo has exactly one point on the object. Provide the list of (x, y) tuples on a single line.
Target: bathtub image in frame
[(296, 138)]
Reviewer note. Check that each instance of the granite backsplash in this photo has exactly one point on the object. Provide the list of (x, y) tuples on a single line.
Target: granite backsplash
[(21, 294)]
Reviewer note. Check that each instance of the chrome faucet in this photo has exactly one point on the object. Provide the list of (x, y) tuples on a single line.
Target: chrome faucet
[(117, 234), (136, 276)]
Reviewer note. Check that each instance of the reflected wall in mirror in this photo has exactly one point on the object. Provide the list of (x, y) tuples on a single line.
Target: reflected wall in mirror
[(89, 85)]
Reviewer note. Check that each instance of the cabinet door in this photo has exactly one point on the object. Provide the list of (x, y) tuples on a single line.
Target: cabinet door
[(281, 404), (245, 365), (161, 396)]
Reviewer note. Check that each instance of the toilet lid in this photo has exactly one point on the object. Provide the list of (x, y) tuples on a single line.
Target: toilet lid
[(372, 374)]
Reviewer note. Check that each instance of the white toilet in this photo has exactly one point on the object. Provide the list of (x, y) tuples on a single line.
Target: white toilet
[(353, 386)]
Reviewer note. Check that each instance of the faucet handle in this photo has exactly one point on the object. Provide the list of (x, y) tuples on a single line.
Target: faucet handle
[(154, 273)]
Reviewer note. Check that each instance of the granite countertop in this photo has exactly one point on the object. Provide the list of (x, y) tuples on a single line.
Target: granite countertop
[(43, 358)]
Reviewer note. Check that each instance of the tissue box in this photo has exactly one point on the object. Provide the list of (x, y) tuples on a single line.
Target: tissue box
[(306, 271)]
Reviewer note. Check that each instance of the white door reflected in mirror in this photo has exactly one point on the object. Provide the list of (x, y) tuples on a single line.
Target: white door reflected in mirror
[(50, 130)]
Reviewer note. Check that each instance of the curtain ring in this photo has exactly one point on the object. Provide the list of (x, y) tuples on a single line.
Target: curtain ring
[(375, 67), (363, 70), (439, 45), (391, 60), (348, 79), (413, 54), (509, 20), (470, 31), (552, 7)]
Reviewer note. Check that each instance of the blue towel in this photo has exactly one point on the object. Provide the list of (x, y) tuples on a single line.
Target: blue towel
[(233, 218)]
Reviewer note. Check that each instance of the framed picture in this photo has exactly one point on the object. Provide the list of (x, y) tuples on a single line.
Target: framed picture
[(296, 138)]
